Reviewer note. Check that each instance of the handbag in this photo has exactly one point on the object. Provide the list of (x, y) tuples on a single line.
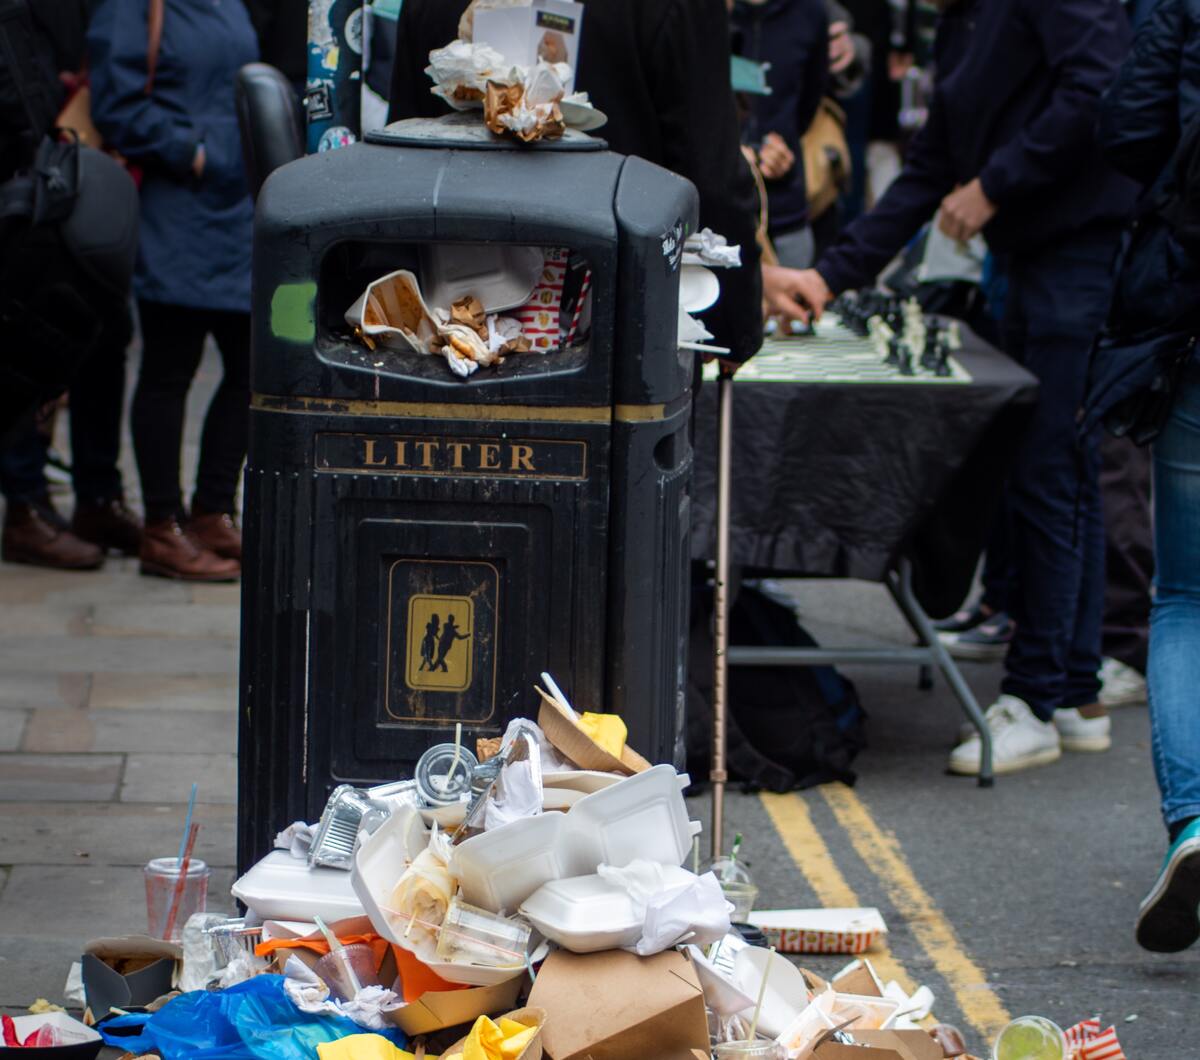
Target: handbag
[(826, 156)]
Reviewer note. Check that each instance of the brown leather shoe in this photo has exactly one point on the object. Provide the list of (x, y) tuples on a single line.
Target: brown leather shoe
[(171, 551), (217, 531), (109, 524), (36, 534)]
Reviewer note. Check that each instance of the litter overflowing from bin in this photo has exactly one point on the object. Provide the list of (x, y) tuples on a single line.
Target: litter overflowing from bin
[(527, 897)]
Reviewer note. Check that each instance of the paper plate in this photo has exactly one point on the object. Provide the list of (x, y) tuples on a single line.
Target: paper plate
[(698, 288)]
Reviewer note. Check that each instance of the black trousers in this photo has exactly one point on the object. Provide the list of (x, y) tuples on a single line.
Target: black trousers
[(1129, 554), (172, 345)]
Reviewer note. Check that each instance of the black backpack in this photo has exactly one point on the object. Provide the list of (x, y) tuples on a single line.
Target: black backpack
[(787, 727)]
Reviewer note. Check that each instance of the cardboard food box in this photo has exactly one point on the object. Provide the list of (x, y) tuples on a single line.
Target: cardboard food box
[(79, 1042), (859, 978), (880, 1045), (437, 1009), (850, 931), (563, 731), (531, 1017), (613, 1005), (127, 972)]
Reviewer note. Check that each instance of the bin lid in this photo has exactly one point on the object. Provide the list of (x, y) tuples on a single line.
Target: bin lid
[(465, 131)]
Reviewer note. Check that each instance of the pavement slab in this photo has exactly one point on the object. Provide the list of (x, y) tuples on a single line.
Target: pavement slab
[(168, 777), (12, 728), (164, 692), (59, 777)]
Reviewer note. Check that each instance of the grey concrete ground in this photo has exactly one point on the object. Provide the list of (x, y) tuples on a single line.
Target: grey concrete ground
[(117, 691)]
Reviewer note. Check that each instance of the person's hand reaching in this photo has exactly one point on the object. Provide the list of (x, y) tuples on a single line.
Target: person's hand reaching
[(794, 294), (775, 158), (965, 211)]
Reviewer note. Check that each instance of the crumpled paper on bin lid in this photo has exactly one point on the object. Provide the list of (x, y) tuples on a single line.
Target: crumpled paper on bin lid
[(462, 69)]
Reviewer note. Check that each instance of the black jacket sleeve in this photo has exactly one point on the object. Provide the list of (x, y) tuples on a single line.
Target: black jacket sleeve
[(417, 25), (699, 128), (1083, 41), (1139, 116), (873, 239)]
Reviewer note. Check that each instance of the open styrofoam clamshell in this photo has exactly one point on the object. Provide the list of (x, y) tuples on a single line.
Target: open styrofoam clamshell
[(281, 887), (721, 994), (642, 816), (786, 995)]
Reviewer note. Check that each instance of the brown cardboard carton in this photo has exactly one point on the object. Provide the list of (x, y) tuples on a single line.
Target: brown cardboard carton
[(858, 978), (614, 1005), (565, 734), (881, 1045), (437, 1009)]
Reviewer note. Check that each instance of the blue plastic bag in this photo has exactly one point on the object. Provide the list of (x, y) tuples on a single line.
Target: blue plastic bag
[(254, 1020)]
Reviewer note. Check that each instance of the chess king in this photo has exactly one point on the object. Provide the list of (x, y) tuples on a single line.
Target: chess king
[(1009, 149)]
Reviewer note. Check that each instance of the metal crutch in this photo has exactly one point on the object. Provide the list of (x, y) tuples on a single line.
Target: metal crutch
[(717, 773)]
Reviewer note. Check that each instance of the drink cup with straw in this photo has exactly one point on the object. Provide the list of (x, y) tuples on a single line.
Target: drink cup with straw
[(336, 948)]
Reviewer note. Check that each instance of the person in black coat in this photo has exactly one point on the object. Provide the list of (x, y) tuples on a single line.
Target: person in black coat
[(660, 70), (1151, 108), (1010, 149), (793, 36)]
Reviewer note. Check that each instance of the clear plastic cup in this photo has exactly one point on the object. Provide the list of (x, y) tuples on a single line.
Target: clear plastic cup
[(742, 896), (331, 969), (759, 1048), (162, 874), (1031, 1038), (470, 935)]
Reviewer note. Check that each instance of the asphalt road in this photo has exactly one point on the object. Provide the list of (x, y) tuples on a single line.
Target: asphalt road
[(1004, 901)]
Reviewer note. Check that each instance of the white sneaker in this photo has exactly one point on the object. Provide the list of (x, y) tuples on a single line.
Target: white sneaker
[(1020, 740), (1077, 733), (1120, 685)]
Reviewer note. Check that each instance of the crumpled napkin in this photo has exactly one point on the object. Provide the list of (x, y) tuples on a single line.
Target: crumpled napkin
[(697, 912), (309, 994), (706, 247), (504, 1039), (362, 1047), (461, 71), (422, 896), (296, 838)]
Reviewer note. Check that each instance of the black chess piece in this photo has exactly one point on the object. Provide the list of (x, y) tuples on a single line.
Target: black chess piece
[(893, 354), (942, 368), (933, 342), (906, 359)]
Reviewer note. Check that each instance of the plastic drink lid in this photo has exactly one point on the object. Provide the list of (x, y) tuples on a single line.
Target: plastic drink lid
[(1031, 1038)]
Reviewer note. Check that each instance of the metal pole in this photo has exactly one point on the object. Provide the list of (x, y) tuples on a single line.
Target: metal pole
[(721, 605)]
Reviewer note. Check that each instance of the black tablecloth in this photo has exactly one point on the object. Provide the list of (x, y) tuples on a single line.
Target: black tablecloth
[(839, 479)]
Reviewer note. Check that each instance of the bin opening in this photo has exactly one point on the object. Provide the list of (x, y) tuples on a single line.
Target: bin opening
[(446, 310)]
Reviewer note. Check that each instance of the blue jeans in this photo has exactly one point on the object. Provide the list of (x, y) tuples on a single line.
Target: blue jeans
[(1057, 300), (1175, 615)]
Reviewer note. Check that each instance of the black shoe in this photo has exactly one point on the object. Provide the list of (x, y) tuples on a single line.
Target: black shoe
[(961, 621)]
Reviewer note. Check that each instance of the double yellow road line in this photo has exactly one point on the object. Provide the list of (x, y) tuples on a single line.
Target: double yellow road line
[(881, 853)]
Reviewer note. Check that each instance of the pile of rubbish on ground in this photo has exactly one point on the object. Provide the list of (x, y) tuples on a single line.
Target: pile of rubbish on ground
[(526, 898)]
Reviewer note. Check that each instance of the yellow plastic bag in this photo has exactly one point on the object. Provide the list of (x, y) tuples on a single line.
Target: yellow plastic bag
[(608, 730), (362, 1047), (488, 1040)]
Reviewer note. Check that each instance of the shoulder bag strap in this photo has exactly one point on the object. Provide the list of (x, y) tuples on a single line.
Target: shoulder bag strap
[(154, 29)]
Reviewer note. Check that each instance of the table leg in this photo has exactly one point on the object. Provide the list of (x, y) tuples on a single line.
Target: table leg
[(900, 584)]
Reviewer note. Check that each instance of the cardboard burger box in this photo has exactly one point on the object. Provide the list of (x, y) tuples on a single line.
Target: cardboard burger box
[(613, 1005)]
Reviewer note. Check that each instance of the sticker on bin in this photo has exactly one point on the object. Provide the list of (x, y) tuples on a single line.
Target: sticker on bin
[(820, 930)]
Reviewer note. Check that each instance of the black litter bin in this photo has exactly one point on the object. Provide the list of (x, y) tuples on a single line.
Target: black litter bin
[(419, 548)]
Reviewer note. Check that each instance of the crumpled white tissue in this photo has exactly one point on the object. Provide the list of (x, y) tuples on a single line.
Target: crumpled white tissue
[(706, 247), (296, 838), (462, 64), (697, 912), (310, 994)]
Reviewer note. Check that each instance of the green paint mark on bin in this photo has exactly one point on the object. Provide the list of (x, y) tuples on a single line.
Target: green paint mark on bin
[(292, 315)]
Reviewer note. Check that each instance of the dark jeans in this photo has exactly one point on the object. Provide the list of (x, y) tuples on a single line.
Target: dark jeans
[(97, 399), (172, 345), (1057, 300), (1129, 551)]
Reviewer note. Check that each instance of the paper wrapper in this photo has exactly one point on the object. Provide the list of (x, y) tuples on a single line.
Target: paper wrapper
[(507, 109), (392, 313), (563, 731), (423, 894), (461, 70), (1086, 1041), (531, 1017)]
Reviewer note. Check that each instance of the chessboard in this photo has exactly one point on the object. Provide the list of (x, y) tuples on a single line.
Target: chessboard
[(833, 353)]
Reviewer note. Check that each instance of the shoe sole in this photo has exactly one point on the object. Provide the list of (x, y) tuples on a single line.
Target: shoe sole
[(29, 561), (1041, 758), (976, 652), (153, 570), (1128, 699), (1086, 745), (1168, 921)]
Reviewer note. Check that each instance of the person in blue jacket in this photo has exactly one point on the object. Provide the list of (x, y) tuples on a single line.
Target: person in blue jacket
[(1152, 105), (177, 124), (1010, 150)]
